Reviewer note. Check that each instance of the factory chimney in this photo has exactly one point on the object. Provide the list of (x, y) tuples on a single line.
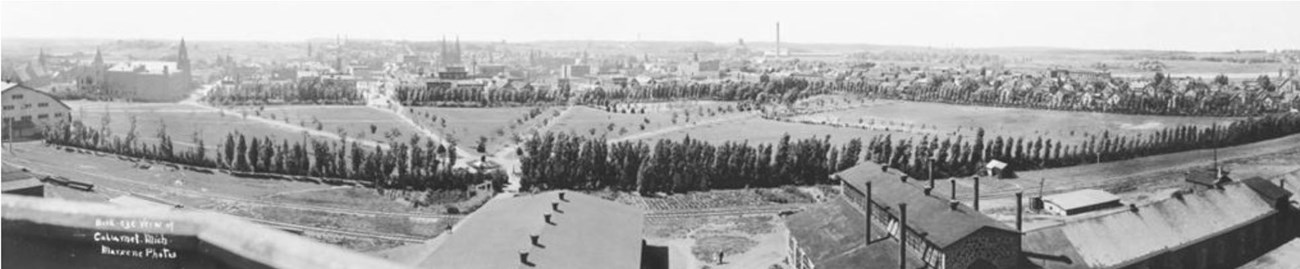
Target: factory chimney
[(977, 194), (778, 39)]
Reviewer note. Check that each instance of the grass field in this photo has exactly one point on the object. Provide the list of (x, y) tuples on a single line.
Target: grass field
[(596, 121), (350, 121), (466, 125), (758, 130), (183, 122), (916, 118)]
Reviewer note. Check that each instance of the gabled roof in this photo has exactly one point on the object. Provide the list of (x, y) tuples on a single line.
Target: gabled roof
[(926, 214), (587, 232), (833, 235), (1119, 239), (1081, 198), (16, 86)]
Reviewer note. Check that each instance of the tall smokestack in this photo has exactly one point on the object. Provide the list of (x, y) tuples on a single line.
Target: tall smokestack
[(977, 194), (902, 236), (778, 39)]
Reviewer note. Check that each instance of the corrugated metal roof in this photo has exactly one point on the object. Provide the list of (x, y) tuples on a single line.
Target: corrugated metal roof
[(1127, 236), (1081, 198), (926, 214), (587, 232)]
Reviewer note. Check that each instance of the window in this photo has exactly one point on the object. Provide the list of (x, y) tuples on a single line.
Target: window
[(42, 104), (42, 116), (18, 97), (26, 118), (56, 115), (26, 106), (8, 107)]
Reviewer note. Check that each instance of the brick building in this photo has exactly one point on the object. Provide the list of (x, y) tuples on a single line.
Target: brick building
[(939, 232), (150, 81), (28, 111)]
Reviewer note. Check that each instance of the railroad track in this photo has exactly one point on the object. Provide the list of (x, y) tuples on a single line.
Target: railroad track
[(722, 212), (299, 229)]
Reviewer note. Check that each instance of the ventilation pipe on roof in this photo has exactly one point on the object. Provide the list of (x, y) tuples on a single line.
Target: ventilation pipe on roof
[(556, 206), (926, 191), (954, 189), (869, 209), (562, 197), (902, 236), (523, 257), (1178, 194), (977, 194), (1133, 207), (1020, 211), (903, 178), (547, 217), (884, 168), (534, 238), (952, 205)]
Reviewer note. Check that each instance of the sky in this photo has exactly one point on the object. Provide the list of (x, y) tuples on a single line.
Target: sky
[(1191, 26)]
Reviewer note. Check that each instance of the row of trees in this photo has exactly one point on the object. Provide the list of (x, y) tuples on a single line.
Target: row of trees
[(780, 90), (553, 161), (1161, 97), (447, 95), (405, 165), (951, 156), (304, 91)]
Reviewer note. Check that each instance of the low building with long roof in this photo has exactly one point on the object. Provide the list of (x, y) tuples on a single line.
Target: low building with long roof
[(1214, 228)]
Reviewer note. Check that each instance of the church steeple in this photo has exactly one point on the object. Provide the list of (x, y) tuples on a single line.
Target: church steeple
[(183, 58), (99, 59), (40, 58)]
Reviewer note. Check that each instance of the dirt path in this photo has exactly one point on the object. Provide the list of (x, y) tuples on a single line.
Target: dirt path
[(382, 98)]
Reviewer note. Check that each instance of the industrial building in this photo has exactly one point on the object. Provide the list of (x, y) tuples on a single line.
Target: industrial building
[(557, 229), (1080, 201), (1216, 228), (28, 111), (939, 232)]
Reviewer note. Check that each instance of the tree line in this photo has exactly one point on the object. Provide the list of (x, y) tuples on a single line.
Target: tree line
[(951, 156), (403, 165), (564, 161), (1161, 96), (304, 91), (456, 96)]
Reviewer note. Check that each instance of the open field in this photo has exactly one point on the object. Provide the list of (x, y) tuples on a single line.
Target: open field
[(596, 121), (466, 125), (350, 121), (183, 122), (917, 118), (758, 130)]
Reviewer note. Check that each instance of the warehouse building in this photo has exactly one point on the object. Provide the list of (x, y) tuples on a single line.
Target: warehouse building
[(1080, 201)]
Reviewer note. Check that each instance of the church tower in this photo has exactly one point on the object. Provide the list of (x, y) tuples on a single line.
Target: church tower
[(99, 60), (183, 59)]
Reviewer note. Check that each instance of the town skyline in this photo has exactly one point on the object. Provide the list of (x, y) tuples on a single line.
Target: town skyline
[(974, 25)]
